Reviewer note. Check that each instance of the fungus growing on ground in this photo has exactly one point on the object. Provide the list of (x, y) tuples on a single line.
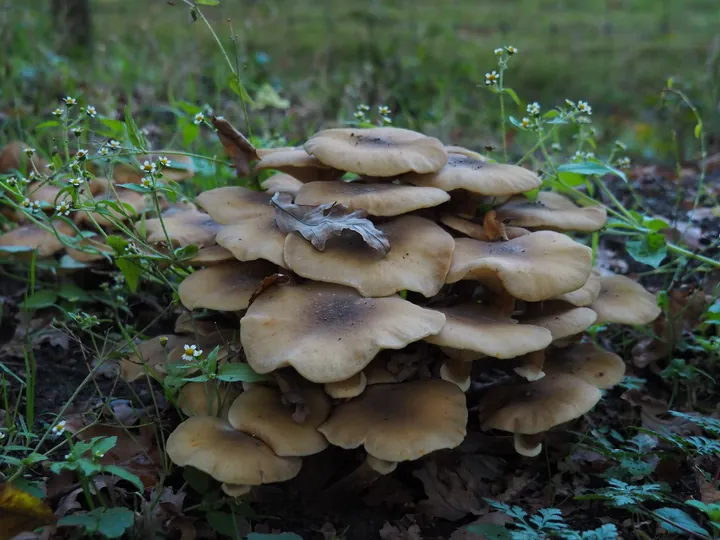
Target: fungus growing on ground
[(206, 399), (229, 205), (552, 211), (476, 230), (254, 238), (183, 228), (596, 366), (585, 295), (211, 256), (623, 301), (22, 241), (282, 183), (349, 388), (297, 163), (561, 319)]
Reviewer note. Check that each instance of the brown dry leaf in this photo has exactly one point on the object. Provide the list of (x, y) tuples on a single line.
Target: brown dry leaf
[(21, 512), (320, 223), (274, 279), (239, 149), (650, 411), (405, 529), (494, 228)]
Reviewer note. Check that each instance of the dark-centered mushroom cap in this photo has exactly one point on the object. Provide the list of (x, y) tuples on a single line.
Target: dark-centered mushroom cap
[(182, 227), (561, 319), (418, 260), (214, 447), (585, 295), (232, 204), (382, 151), (400, 422), (226, 287), (297, 163), (534, 267), (254, 238), (552, 211), (376, 199), (623, 301), (328, 333), (477, 328), (260, 412), (478, 176), (596, 366)]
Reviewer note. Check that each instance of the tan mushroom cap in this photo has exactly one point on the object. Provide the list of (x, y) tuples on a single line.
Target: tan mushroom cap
[(400, 422), (474, 327), (457, 372), (534, 407), (328, 333), (377, 372), (133, 204), (478, 176), (206, 398), (623, 301), (181, 167), (232, 204), (376, 199), (183, 228), (561, 319), (382, 151), (552, 211), (297, 163), (601, 368), (210, 256), (225, 287), (254, 238), (33, 237), (90, 248), (534, 267), (418, 260), (13, 157), (586, 294), (281, 183), (186, 323), (464, 152), (260, 412), (235, 490), (214, 447), (349, 388), (150, 354), (476, 230)]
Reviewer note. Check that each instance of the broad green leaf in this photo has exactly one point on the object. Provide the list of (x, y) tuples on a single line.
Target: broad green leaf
[(239, 372), (207, 2), (592, 168), (115, 128), (490, 531), (48, 124), (41, 299), (654, 224), (237, 86), (227, 524), (125, 475), (118, 243), (712, 510), (88, 467), (513, 95), (571, 179), (137, 139), (650, 249), (197, 479), (31, 487), (186, 252), (134, 187), (682, 519), (103, 445), (698, 130), (131, 271), (515, 122), (189, 131), (109, 522), (72, 292)]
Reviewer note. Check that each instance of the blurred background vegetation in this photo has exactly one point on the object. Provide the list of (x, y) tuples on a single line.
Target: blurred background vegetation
[(424, 59)]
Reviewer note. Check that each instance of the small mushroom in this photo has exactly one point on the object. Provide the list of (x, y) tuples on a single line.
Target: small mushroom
[(225, 287), (349, 388), (457, 372), (183, 228), (623, 301), (532, 408), (328, 333), (531, 365), (376, 199), (210, 256), (596, 366), (230, 456), (381, 151), (563, 320), (478, 176), (552, 211), (418, 260), (464, 152), (281, 183), (476, 230), (90, 248), (297, 163), (233, 204), (254, 238), (20, 242), (534, 267), (206, 398), (585, 295), (260, 412)]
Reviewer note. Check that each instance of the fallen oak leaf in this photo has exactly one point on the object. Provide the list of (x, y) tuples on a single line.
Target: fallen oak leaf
[(277, 278), (320, 223), (239, 149), (21, 512)]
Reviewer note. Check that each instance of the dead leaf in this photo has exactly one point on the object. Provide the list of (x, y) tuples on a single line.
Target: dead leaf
[(494, 228), (405, 529), (277, 278), (21, 512), (320, 223), (239, 149)]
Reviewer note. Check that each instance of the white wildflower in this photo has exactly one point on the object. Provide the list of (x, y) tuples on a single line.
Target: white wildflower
[(29, 151), (114, 145), (511, 50), (583, 107), (499, 51), (81, 154), (533, 109), (525, 122), (59, 428), (147, 182), (359, 115), (36, 206), (363, 107), (70, 101), (624, 162), (556, 147), (148, 167), (27, 203), (199, 118), (57, 112), (384, 110), (77, 131), (90, 111), (64, 208), (191, 352), (492, 78), (165, 162), (103, 151)]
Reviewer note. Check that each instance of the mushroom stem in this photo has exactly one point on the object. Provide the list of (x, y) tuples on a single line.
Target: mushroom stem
[(457, 372), (368, 472), (504, 304), (532, 366), (348, 388), (235, 490), (528, 445)]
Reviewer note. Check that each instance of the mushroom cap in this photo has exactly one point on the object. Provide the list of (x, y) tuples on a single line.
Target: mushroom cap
[(585, 295), (623, 301), (34, 238), (457, 372), (418, 260), (206, 398), (296, 162), (13, 157), (552, 211), (382, 151), (260, 412), (534, 267), (561, 319), (537, 406), (478, 176), (211, 255), (90, 241), (400, 422), (254, 238), (150, 353), (477, 328), (328, 333), (464, 152), (376, 199), (126, 197), (476, 230), (225, 287), (377, 372), (596, 366), (281, 183), (214, 447), (187, 324), (183, 227), (349, 388), (232, 204)]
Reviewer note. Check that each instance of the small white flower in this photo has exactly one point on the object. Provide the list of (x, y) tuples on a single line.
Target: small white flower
[(99, 454), (492, 78), (583, 107), (68, 456), (148, 167), (386, 120), (11, 181), (165, 162), (57, 112), (59, 428), (147, 182), (525, 122), (29, 151), (384, 110), (103, 151), (499, 51), (583, 119), (70, 101), (114, 145), (620, 145), (533, 109), (511, 50), (2, 435), (363, 107), (90, 111), (624, 162), (199, 118), (77, 131), (120, 299), (191, 352), (27, 203), (26, 180), (64, 208), (556, 147), (81, 154), (589, 155), (571, 103), (579, 155), (359, 115)]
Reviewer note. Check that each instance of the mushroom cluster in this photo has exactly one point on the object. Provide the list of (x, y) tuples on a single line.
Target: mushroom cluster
[(388, 240)]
